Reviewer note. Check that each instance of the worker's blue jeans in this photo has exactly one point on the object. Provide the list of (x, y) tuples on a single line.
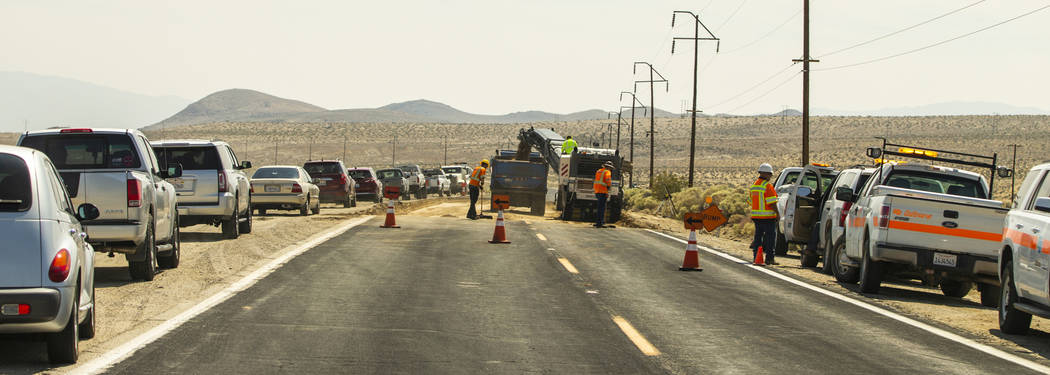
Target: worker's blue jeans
[(602, 199), (766, 237)]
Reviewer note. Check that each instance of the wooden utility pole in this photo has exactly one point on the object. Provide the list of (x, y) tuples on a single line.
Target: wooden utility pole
[(696, 78), (1013, 167), (805, 60), (652, 112), (634, 100)]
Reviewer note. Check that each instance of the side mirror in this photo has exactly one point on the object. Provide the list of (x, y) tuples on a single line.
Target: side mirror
[(173, 171), (874, 152), (804, 191), (1042, 204), (1004, 172), (245, 165), (87, 211), (845, 194)]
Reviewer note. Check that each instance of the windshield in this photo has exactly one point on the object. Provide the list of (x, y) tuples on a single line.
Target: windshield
[(811, 181), (276, 172), (359, 174), (323, 168), (86, 151), (936, 183), (14, 184), (432, 172), (191, 158), (389, 173), (408, 168)]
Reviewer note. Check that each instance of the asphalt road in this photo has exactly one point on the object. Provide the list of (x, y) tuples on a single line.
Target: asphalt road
[(435, 297)]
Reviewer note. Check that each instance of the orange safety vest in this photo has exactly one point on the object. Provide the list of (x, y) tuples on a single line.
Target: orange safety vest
[(763, 197), (602, 180), (477, 175)]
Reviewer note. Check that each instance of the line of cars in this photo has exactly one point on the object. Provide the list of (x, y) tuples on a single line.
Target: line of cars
[(925, 221)]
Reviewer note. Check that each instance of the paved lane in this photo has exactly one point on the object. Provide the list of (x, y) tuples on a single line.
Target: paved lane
[(432, 297)]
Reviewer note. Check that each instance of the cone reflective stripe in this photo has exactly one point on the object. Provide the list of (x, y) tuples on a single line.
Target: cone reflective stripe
[(500, 234), (390, 221), (760, 258), (692, 256)]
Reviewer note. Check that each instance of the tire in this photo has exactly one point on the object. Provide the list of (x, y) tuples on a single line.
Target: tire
[(246, 225), (87, 328), (317, 207), (1011, 320), (305, 209), (353, 200), (809, 259), (406, 197), (827, 267), (145, 269), (64, 346), (538, 206), (229, 226), (566, 214), (843, 274), (171, 260), (559, 200), (346, 202), (782, 245), (989, 294), (956, 288), (615, 207), (870, 271)]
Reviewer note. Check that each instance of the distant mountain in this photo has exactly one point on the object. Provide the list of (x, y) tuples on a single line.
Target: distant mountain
[(46, 101), (248, 105), (941, 109), (788, 112)]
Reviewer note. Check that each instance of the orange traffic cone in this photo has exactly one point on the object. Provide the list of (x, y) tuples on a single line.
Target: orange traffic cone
[(760, 258), (692, 256), (500, 234), (390, 221)]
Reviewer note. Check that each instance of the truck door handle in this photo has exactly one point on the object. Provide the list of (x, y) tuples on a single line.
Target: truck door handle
[(1035, 230), (72, 232), (1019, 226)]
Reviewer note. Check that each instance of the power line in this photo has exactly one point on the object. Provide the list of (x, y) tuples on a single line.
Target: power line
[(901, 30), (731, 15), (766, 35), (934, 44), (747, 90), (766, 93)]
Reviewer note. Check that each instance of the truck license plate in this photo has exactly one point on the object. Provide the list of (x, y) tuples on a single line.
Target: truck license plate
[(273, 188), (946, 260)]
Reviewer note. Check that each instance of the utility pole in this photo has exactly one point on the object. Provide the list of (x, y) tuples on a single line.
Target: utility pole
[(634, 100), (696, 76), (446, 149), (344, 148), (619, 119), (1013, 167), (393, 152), (652, 114), (275, 152), (805, 60)]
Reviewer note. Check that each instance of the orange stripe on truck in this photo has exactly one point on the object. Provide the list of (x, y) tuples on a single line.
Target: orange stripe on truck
[(1026, 240), (955, 232)]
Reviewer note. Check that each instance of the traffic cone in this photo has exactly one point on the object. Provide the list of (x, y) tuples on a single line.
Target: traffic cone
[(760, 257), (390, 221), (500, 234), (692, 256)]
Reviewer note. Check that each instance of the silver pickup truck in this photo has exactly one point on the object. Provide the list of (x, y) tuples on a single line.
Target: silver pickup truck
[(116, 170)]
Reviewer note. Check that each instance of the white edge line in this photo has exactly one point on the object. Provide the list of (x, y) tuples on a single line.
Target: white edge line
[(115, 355), (541, 237), (881, 311)]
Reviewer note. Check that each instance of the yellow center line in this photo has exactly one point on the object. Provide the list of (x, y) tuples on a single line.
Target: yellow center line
[(541, 237), (568, 266), (644, 345)]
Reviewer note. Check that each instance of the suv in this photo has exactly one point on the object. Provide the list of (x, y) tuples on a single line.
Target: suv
[(117, 171), (416, 181), (367, 184), (213, 188), (335, 185)]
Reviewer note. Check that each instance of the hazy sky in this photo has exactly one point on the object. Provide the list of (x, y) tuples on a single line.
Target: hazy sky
[(493, 57)]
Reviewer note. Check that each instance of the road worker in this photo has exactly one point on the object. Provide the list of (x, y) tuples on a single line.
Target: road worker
[(477, 180), (602, 180), (763, 199), (568, 146)]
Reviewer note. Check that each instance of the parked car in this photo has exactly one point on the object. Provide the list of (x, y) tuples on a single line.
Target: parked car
[(213, 188), (47, 268), (458, 176), (812, 179), (830, 230), (117, 171), (285, 187), (334, 182), (1024, 254), (417, 182), (395, 177), (367, 185), (438, 182)]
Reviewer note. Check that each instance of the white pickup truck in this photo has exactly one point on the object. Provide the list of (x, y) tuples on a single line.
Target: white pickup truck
[(1024, 255), (925, 222), (800, 190), (117, 171)]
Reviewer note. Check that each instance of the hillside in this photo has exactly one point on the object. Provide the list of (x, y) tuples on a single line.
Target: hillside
[(237, 105)]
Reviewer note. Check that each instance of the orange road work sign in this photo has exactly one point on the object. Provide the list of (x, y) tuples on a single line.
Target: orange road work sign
[(501, 202), (391, 192), (709, 219)]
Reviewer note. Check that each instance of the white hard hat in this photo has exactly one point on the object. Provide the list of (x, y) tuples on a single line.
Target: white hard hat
[(765, 167)]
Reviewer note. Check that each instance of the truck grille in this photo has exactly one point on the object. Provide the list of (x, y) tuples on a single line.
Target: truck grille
[(584, 184)]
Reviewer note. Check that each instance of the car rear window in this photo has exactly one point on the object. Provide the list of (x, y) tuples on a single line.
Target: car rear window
[(323, 168), (432, 172), (191, 158), (14, 184), (936, 183), (86, 151), (360, 174), (275, 172), (451, 170), (389, 173)]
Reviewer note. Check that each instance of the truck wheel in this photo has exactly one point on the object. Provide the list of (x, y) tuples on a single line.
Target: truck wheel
[(146, 268), (566, 214), (539, 206), (407, 196), (989, 294), (229, 226), (809, 259), (1011, 320), (246, 225), (827, 268), (171, 260), (615, 207), (782, 245), (843, 274), (870, 271), (346, 202), (559, 200), (87, 328), (317, 208), (956, 288), (305, 209), (353, 200), (63, 347)]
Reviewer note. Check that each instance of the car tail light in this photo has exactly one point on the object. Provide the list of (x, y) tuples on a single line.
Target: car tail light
[(222, 182), (884, 218), (296, 188), (342, 179), (76, 130), (134, 193), (59, 270), (251, 188), (845, 212), (15, 309)]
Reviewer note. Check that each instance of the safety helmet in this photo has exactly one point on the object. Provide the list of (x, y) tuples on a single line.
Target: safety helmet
[(568, 137), (765, 167), (485, 162), (608, 164)]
